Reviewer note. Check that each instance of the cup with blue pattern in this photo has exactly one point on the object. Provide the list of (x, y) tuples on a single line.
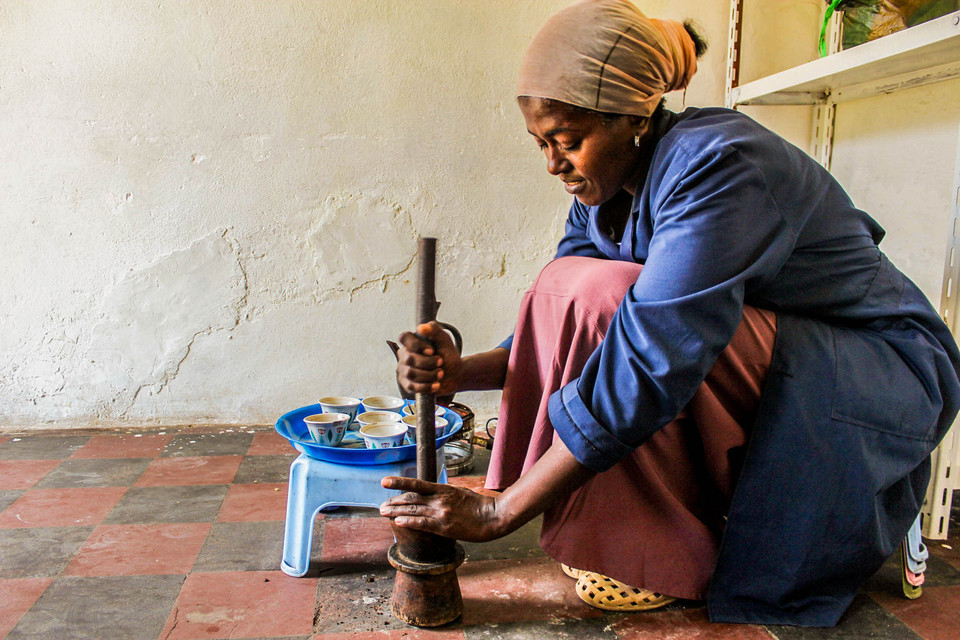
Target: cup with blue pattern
[(327, 429), (342, 404)]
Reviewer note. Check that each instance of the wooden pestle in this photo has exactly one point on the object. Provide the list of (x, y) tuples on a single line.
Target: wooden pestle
[(426, 592)]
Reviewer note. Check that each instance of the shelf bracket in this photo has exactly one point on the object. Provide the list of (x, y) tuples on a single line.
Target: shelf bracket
[(821, 143), (825, 110), (733, 52), (945, 461)]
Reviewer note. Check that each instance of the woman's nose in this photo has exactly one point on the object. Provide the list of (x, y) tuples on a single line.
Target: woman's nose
[(555, 161)]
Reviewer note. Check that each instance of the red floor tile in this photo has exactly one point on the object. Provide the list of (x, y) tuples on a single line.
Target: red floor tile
[(16, 598), (123, 446), (933, 615), (396, 634), (269, 443), (23, 474), (248, 604), (254, 503), (500, 591), (139, 549), (190, 471), (686, 624), (61, 507), (356, 540)]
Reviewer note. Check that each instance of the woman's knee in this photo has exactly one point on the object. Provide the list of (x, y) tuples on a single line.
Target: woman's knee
[(580, 277)]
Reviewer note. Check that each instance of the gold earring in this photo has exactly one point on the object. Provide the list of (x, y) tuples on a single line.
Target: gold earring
[(636, 140)]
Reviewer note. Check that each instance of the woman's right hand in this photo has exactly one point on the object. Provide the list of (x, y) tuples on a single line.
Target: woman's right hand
[(423, 367)]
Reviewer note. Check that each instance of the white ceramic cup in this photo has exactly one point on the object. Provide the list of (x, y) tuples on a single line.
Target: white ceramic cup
[(341, 404), (411, 410), (374, 417), (411, 423), (383, 403), (327, 429), (383, 435)]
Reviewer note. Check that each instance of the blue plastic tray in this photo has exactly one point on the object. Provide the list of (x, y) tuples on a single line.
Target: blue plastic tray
[(291, 426)]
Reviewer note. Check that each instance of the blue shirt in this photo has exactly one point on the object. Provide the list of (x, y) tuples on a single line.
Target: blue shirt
[(728, 213), (862, 386)]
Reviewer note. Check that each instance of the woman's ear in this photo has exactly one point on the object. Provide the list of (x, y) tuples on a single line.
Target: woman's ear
[(639, 124)]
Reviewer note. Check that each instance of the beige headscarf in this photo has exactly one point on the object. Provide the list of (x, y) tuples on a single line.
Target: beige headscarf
[(607, 56)]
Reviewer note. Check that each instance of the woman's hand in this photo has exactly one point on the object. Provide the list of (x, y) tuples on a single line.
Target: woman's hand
[(423, 367), (461, 514), (448, 511)]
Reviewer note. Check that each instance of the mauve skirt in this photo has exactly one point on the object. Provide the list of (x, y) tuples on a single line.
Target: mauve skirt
[(655, 519)]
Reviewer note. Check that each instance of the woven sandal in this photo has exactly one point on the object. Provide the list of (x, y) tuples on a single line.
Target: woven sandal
[(570, 571), (606, 593)]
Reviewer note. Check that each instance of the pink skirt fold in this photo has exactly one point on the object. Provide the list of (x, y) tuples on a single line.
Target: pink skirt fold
[(655, 519)]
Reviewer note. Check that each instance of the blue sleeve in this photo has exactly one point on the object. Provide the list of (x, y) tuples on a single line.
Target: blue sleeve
[(717, 231)]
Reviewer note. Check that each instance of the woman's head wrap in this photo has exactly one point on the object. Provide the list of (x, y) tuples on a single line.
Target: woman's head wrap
[(607, 56)]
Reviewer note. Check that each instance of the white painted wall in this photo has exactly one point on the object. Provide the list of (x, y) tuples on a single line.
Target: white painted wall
[(210, 208)]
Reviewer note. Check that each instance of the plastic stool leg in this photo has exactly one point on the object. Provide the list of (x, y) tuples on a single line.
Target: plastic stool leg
[(298, 528), (913, 554), (317, 484), (917, 553), (909, 581)]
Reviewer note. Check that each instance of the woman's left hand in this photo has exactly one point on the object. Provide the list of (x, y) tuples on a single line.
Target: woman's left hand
[(448, 511)]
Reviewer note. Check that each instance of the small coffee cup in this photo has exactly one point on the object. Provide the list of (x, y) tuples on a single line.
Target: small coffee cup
[(374, 417), (411, 410), (383, 403), (411, 422), (327, 429), (383, 435), (340, 404)]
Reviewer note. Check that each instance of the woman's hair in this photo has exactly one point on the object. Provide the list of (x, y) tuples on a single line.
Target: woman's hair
[(699, 44)]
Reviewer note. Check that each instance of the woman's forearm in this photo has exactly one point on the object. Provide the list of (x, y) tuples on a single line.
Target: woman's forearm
[(483, 371), (554, 476)]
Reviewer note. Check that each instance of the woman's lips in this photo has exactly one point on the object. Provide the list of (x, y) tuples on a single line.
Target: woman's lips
[(573, 188)]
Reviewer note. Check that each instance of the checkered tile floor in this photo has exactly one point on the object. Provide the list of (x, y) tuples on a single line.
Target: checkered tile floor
[(178, 535)]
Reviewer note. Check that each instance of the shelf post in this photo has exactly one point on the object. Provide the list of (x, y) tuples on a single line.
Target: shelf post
[(733, 52), (821, 143), (825, 111), (945, 461)]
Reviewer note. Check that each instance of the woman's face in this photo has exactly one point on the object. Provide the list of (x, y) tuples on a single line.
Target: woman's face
[(593, 156)]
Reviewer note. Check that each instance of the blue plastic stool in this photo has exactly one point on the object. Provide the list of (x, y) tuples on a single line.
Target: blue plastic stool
[(913, 561), (316, 484)]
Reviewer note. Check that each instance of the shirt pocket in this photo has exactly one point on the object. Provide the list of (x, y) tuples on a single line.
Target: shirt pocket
[(887, 382)]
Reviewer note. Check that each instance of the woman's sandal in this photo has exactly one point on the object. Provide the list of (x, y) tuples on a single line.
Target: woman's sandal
[(570, 571), (599, 591)]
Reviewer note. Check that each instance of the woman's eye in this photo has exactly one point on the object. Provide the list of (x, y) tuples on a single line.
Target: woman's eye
[(572, 146)]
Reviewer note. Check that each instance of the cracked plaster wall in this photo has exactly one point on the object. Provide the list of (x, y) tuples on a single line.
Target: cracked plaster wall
[(211, 208)]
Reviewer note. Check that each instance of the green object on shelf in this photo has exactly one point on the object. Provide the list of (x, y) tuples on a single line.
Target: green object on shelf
[(931, 10), (826, 20), (865, 20)]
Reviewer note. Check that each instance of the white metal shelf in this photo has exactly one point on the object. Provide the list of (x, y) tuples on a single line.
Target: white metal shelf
[(926, 53)]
